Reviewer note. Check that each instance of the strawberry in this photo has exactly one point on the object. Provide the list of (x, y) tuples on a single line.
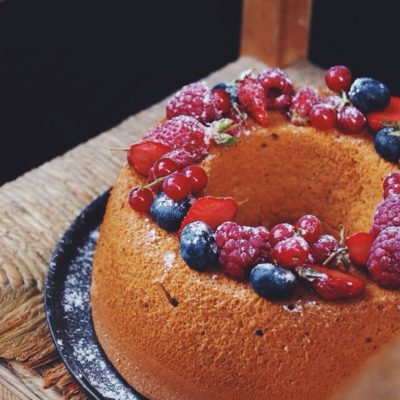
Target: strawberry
[(185, 133), (143, 155), (195, 100), (332, 284), (359, 247), (390, 116), (211, 210), (252, 99)]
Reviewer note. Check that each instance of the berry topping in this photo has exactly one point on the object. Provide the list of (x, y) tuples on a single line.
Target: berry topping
[(272, 282), (323, 116), (185, 133), (384, 261), (195, 100), (252, 98), (278, 89), (332, 284), (387, 214), (369, 95), (181, 157), (302, 103), (393, 190), (230, 88), (197, 177), (387, 144), (323, 248), (391, 179), (176, 186), (359, 247), (143, 155), (390, 116), (167, 213), (241, 247), (163, 167), (211, 210), (198, 248), (222, 100), (350, 120), (281, 232), (140, 199), (309, 227), (338, 78), (291, 253)]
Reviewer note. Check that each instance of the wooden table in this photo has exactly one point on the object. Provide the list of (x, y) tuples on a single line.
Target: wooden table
[(35, 209)]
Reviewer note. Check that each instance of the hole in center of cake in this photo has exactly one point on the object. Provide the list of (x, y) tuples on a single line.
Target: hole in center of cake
[(280, 176)]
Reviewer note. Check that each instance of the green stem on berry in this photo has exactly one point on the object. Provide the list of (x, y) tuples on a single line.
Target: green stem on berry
[(118, 149), (310, 274), (152, 183)]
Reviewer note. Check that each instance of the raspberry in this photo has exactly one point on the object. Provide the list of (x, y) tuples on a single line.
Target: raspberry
[(195, 100), (391, 179), (241, 247), (278, 88), (393, 190), (185, 133), (387, 214), (323, 248), (252, 99), (302, 103), (384, 260), (181, 157)]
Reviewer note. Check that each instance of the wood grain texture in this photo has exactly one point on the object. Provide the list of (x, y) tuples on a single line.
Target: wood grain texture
[(276, 31)]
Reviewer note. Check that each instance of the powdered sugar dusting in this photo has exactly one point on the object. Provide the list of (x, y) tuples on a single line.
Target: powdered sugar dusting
[(169, 259), (299, 306), (77, 341)]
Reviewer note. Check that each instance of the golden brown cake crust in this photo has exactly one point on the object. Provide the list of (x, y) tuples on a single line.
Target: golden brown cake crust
[(221, 341)]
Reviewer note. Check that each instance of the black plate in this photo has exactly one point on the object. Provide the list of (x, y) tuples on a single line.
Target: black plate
[(68, 309)]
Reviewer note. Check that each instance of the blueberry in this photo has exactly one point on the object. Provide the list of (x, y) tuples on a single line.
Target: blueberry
[(198, 247), (230, 88), (368, 95), (169, 213), (272, 282), (387, 144)]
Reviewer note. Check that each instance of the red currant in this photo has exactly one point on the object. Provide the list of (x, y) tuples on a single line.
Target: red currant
[(164, 167), (323, 116), (391, 179), (310, 228), (197, 177), (140, 199), (350, 119), (338, 78), (323, 248), (176, 186), (291, 253), (222, 100), (281, 232), (392, 190)]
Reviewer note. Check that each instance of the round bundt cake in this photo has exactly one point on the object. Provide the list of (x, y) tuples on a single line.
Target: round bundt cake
[(175, 333)]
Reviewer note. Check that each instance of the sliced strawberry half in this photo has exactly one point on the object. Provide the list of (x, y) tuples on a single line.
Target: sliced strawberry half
[(390, 116), (359, 247), (143, 155), (332, 284), (211, 210)]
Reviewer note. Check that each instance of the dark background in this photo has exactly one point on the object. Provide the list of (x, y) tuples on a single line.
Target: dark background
[(72, 69)]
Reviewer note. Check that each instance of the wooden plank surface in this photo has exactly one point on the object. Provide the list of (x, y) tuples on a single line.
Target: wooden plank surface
[(276, 31)]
